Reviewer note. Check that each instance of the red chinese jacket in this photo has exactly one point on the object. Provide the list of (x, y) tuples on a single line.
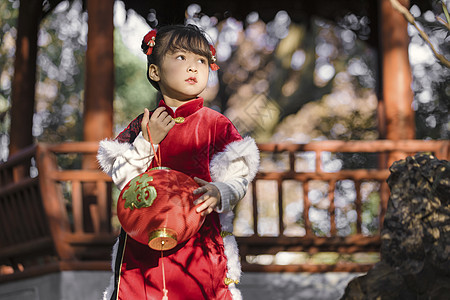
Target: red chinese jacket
[(203, 144)]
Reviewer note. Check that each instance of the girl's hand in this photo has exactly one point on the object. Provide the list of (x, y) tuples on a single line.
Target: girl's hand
[(210, 198), (160, 123)]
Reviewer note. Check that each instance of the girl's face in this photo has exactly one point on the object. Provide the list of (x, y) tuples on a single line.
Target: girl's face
[(182, 75)]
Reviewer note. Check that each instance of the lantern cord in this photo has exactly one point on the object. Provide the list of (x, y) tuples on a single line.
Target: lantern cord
[(165, 291), (158, 152)]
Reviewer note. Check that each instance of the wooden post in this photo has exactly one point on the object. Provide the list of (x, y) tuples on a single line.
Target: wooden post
[(53, 202), (99, 86), (397, 95), (23, 84), (99, 90)]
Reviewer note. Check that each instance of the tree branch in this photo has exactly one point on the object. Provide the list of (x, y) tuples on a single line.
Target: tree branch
[(410, 18)]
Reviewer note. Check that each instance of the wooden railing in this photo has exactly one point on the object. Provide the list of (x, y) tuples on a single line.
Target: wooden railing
[(64, 219), (49, 222), (310, 241), (80, 221), (25, 237)]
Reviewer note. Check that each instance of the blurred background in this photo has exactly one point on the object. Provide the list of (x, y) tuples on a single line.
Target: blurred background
[(320, 76), (300, 74), (280, 80)]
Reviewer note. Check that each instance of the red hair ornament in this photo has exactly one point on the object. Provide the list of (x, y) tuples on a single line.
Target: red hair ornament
[(213, 65), (149, 40)]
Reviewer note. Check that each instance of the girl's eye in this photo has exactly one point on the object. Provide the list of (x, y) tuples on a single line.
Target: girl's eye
[(180, 57), (202, 60)]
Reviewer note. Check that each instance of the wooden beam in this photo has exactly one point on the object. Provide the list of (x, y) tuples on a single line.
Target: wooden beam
[(359, 174), (375, 146), (54, 267), (27, 248), (310, 268)]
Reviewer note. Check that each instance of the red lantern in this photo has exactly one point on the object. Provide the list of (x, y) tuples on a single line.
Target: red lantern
[(157, 208)]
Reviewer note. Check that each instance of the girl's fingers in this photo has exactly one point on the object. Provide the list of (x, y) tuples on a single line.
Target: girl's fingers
[(160, 118), (145, 118), (146, 115), (200, 190), (155, 114), (158, 111), (207, 211), (204, 206), (202, 198), (200, 181), (171, 124), (144, 123), (167, 120), (163, 117)]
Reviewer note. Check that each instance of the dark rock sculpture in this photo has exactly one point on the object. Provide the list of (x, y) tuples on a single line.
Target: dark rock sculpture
[(415, 239)]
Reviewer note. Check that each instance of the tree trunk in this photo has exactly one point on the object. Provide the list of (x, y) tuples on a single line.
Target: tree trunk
[(99, 93), (397, 95), (24, 81)]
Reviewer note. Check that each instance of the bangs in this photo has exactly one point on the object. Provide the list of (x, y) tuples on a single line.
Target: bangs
[(190, 42)]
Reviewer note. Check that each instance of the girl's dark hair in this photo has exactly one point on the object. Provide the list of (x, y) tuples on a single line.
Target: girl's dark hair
[(172, 38)]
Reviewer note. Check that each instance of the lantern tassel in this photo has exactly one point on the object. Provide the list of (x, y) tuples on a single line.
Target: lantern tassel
[(165, 295), (165, 291)]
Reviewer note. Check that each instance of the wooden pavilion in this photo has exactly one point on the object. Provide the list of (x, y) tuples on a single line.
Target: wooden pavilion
[(63, 219)]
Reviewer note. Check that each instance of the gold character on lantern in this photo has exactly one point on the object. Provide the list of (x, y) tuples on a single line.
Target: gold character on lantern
[(140, 193)]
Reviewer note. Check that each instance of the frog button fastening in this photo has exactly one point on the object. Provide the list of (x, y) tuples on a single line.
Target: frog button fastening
[(178, 120)]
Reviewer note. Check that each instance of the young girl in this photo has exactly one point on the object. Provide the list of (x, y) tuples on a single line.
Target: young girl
[(199, 142)]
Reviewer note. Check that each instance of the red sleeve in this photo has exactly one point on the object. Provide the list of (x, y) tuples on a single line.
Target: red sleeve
[(226, 133)]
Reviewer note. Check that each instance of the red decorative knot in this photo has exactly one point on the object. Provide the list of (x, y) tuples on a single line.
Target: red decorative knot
[(213, 65), (149, 39)]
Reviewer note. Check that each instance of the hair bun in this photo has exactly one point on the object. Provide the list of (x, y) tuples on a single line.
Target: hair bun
[(144, 47)]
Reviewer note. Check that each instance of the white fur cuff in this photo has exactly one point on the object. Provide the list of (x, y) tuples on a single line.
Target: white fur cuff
[(108, 151), (245, 149)]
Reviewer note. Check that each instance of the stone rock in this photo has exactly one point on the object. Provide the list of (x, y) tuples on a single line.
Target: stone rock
[(415, 239)]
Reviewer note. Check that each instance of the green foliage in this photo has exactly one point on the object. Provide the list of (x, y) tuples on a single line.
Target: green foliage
[(61, 68), (133, 91), (60, 75)]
